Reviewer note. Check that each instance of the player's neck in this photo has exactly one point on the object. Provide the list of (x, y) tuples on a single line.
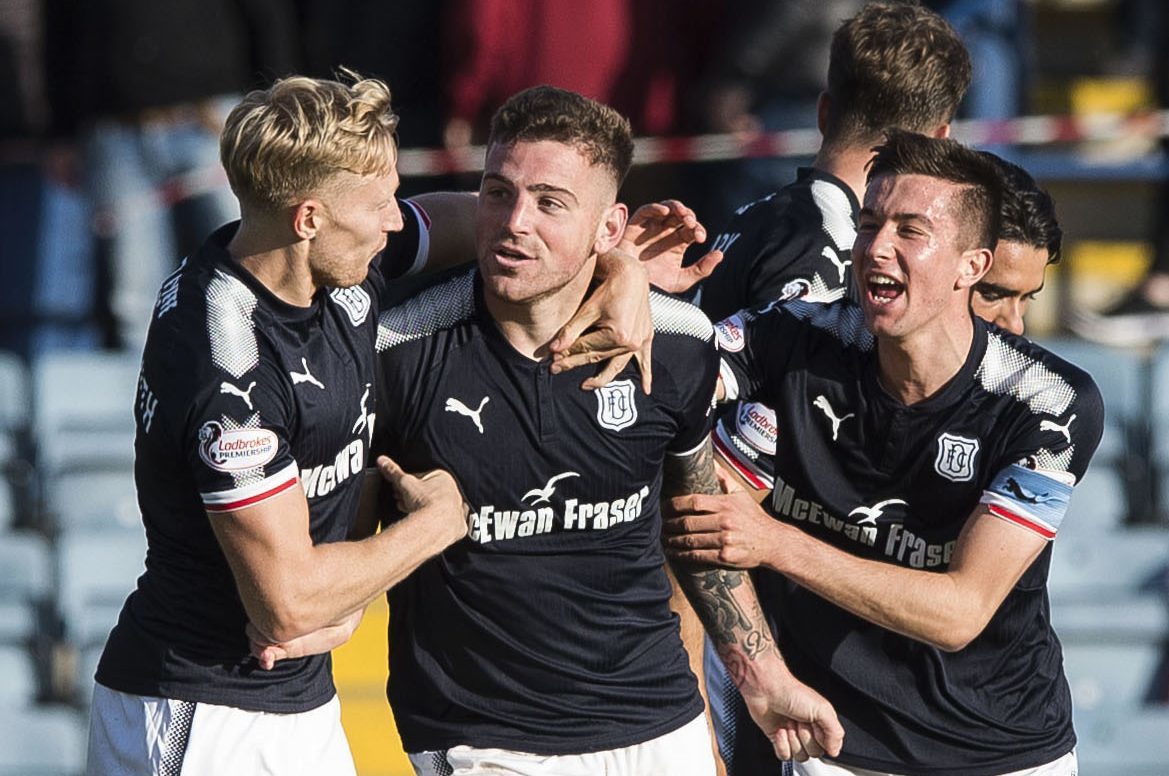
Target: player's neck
[(278, 261), (529, 326), (847, 164), (915, 367)]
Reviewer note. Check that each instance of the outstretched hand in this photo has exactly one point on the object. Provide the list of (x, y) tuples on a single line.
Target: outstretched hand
[(659, 234)]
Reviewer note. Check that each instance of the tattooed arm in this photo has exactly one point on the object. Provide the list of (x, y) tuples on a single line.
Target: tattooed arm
[(798, 721)]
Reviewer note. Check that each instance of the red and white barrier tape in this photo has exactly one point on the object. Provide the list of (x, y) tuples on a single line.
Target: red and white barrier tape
[(426, 162)]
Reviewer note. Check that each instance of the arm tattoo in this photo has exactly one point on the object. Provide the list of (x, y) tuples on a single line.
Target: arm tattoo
[(724, 599)]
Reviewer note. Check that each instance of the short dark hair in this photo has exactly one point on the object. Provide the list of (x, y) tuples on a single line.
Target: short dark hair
[(600, 133), (1028, 212), (894, 65), (980, 202)]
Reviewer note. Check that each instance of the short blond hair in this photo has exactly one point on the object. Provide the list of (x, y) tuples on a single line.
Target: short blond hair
[(282, 144)]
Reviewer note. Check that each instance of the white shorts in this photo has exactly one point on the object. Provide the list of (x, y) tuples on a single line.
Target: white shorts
[(133, 735), (683, 752), (1064, 766)]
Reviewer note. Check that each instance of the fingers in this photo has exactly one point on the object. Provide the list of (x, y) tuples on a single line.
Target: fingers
[(829, 732), (610, 370), (727, 483), (567, 339), (645, 364), (702, 268), (390, 470)]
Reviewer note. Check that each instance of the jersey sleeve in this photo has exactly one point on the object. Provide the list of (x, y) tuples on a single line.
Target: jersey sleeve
[(235, 438), (685, 347), (406, 251), (1056, 445), (753, 344), (744, 437)]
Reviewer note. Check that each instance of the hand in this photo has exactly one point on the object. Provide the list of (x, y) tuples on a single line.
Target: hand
[(799, 722), (619, 315), (659, 234), (434, 491), (727, 529), (316, 643)]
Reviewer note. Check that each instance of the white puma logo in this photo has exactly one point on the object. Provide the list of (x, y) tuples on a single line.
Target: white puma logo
[(306, 376), (1066, 429), (454, 405), (876, 510), (226, 387), (830, 254), (821, 402), (545, 493), (359, 424)]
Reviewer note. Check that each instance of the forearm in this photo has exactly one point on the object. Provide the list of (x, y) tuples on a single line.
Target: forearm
[(333, 580), (724, 599), (932, 607)]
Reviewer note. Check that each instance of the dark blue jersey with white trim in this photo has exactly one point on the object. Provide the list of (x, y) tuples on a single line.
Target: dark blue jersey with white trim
[(240, 397), (1014, 430), (793, 244), (548, 629)]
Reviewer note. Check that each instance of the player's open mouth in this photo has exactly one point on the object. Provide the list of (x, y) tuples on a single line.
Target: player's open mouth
[(883, 289), (506, 255)]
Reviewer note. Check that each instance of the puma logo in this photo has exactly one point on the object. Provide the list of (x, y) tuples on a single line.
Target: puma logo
[(821, 402), (226, 387), (841, 266), (1066, 429), (306, 376), (454, 405)]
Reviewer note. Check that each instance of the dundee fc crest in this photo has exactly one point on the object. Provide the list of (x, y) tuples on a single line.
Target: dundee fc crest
[(955, 459), (616, 408)]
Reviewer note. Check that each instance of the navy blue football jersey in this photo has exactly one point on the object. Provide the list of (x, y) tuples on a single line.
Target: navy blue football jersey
[(241, 396), (548, 629), (1014, 430), (793, 244)]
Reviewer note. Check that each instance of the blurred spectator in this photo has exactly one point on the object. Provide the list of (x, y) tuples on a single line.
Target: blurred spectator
[(766, 77), (995, 33), (46, 258), (1142, 315), (142, 87)]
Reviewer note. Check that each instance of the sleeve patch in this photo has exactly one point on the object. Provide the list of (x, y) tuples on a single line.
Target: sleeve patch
[(738, 461), (1028, 498), (250, 495)]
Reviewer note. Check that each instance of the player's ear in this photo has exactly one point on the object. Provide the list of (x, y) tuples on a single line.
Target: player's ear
[(306, 218), (611, 228), (823, 105), (975, 264), (941, 132)]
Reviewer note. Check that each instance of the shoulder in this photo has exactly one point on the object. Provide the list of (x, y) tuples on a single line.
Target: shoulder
[(840, 322), (447, 302), (673, 316), (1034, 376)]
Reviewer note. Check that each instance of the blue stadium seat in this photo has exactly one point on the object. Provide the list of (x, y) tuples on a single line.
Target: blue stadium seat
[(82, 410), (1110, 674), (1105, 565), (18, 679), (92, 500), (1116, 740), (41, 742), (25, 582), (98, 570), (1137, 619), (1098, 503)]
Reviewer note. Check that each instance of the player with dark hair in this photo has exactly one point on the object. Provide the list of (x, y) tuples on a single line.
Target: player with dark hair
[(924, 466), (892, 65), (544, 643), (1030, 238)]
